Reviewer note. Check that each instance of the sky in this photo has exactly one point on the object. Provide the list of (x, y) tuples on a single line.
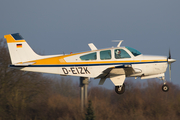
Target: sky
[(64, 26)]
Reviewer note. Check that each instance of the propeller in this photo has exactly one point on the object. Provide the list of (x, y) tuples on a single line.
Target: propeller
[(169, 62), (169, 65)]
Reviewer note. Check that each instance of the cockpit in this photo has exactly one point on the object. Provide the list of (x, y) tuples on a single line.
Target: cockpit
[(133, 51), (112, 53)]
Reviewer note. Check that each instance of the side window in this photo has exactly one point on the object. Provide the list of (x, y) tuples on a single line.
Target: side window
[(91, 56), (120, 53), (105, 55)]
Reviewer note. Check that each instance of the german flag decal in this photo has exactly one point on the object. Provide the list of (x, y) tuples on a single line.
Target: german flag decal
[(19, 45)]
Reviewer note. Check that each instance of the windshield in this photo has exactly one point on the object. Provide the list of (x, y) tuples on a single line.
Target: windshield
[(133, 51)]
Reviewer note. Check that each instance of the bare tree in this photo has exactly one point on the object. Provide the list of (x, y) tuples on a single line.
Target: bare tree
[(17, 88)]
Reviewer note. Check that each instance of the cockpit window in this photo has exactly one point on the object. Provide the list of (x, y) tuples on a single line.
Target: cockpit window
[(120, 53), (91, 56), (133, 51), (105, 55)]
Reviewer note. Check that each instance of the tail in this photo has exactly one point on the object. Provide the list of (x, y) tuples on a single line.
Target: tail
[(19, 50)]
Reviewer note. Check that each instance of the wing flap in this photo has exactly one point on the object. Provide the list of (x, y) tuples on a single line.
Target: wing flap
[(101, 82), (117, 70)]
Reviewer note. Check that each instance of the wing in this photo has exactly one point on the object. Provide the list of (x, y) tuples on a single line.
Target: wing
[(116, 74)]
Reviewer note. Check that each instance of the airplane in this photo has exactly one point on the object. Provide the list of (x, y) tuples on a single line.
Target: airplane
[(115, 63)]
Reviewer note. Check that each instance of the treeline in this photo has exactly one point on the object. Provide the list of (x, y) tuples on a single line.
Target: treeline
[(32, 96)]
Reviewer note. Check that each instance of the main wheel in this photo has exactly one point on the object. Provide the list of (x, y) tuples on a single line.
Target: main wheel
[(165, 88), (120, 90)]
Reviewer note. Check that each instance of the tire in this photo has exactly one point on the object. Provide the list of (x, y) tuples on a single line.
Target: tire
[(122, 89), (165, 88)]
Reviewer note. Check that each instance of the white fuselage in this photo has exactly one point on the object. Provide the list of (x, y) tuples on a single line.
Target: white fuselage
[(72, 65)]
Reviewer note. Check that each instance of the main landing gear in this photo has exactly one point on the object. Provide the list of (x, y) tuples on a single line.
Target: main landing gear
[(120, 89)]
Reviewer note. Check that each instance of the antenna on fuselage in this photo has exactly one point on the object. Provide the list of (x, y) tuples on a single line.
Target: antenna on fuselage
[(120, 41), (92, 46)]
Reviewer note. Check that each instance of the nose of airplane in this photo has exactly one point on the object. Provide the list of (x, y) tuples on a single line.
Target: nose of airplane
[(171, 60)]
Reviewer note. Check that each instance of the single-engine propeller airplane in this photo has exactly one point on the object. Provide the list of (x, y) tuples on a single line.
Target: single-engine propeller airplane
[(115, 63)]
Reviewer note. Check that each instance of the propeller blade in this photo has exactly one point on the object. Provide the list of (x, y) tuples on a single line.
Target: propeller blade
[(169, 60), (169, 54), (170, 72), (169, 65)]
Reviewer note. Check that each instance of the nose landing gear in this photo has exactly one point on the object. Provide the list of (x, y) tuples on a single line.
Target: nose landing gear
[(165, 88)]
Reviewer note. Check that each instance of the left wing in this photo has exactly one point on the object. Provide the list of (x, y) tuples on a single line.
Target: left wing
[(117, 74)]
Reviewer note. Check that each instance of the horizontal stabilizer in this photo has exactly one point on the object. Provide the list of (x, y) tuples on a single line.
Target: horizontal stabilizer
[(24, 64)]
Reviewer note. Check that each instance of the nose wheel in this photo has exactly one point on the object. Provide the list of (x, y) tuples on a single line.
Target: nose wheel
[(165, 88)]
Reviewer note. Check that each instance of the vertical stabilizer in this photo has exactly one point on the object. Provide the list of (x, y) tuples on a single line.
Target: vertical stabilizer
[(19, 50)]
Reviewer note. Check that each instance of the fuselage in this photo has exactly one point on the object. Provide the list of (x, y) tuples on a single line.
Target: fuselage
[(92, 63)]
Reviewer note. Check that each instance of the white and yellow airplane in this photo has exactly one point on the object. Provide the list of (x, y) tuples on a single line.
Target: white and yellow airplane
[(115, 63)]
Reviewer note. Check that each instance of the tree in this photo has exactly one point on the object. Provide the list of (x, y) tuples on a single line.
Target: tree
[(18, 89), (90, 112)]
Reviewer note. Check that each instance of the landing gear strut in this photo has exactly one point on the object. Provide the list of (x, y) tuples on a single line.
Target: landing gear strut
[(165, 87), (120, 89)]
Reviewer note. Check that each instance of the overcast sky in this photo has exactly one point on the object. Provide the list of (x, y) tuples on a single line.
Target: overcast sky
[(57, 26)]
